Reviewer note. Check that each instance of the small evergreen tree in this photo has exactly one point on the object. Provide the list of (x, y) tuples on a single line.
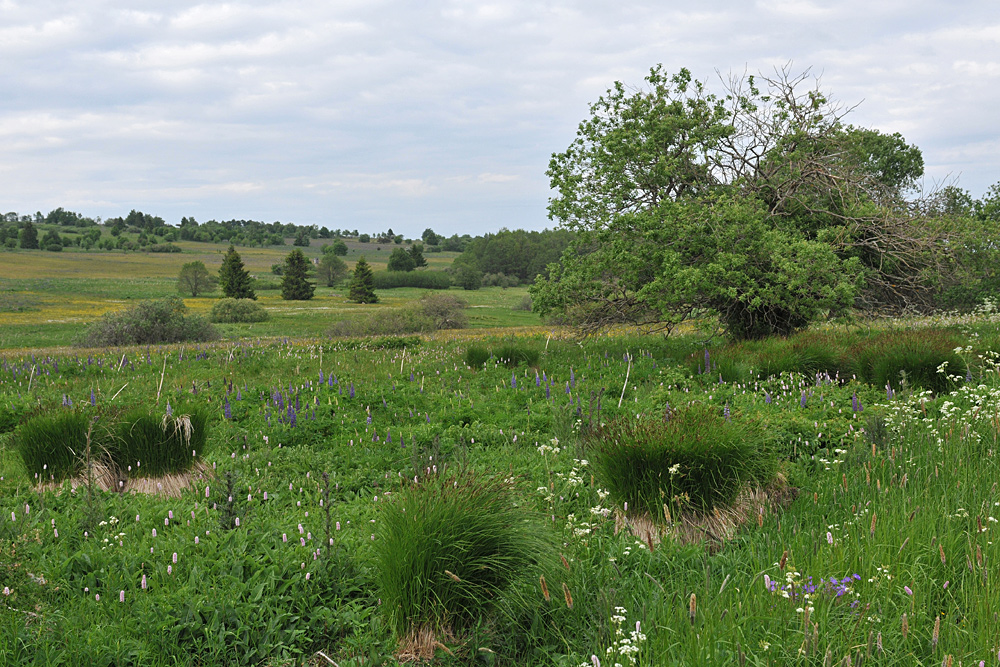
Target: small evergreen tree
[(234, 278), (295, 285), (29, 237), (362, 283), (417, 254)]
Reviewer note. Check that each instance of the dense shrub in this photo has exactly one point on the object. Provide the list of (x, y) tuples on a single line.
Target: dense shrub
[(692, 456), (148, 323), (262, 285), (444, 310), (447, 550), (383, 322), (238, 310), (430, 313), (164, 247), (499, 280), (52, 444), (421, 279)]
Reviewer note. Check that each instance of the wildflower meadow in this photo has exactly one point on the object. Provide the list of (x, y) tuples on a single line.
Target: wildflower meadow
[(517, 498)]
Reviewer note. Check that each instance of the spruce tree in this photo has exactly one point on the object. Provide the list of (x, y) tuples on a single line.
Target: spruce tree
[(417, 254), (295, 285), (362, 283), (234, 279), (29, 237)]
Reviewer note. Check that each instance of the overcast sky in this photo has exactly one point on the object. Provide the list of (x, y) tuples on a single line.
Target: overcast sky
[(373, 114)]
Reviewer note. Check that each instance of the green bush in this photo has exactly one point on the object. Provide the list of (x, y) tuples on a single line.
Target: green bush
[(262, 285), (238, 311), (693, 456), (448, 548), (383, 322), (430, 313), (381, 343), (155, 445), (52, 444), (164, 247), (445, 310), (421, 279), (148, 323)]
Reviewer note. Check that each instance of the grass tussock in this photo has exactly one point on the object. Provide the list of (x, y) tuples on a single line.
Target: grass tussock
[(507, 354), (52, 444), (910, 357), (692, 458), (120, 448), (447, 549), (153, 446)]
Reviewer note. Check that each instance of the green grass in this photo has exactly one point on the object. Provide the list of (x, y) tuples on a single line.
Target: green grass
[(269, 592)]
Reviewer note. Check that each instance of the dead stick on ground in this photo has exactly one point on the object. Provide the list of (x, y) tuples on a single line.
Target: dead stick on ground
[(119, 391), (32, 377), (162, 372), (627, 371)]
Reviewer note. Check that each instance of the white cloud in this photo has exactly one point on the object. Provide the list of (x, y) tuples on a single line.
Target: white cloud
[(438, 114)]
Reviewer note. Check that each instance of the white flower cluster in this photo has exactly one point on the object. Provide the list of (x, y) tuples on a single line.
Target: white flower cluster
[(624, 646), (552, 448), (578, 528)]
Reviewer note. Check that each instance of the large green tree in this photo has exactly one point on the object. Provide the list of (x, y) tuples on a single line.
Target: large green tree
[(401, 260), (362, 287), (195, 279), (234, 279), (295, 285), (757, 205), (332, 269)]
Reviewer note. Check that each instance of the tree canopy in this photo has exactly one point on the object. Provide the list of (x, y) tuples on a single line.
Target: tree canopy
[(332, 269), (757, 205), (194, 279), (401, 260)]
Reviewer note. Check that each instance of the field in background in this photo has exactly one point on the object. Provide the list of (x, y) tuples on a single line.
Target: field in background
[(46, 298)]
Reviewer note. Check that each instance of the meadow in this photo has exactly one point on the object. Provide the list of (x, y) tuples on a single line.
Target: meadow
[(46, 298), (871, 540)]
